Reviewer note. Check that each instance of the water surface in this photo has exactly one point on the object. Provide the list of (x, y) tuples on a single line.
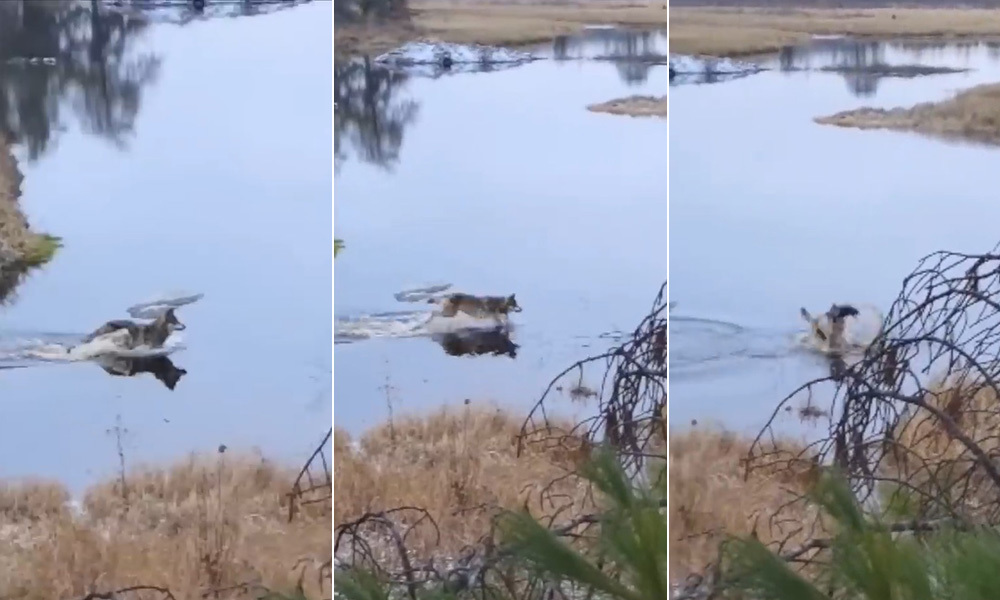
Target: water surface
[(496, 183), (772, 212), (171, 157)]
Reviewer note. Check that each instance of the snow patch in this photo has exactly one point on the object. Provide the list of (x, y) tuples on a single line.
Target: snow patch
[(709, 69), (437, 58)]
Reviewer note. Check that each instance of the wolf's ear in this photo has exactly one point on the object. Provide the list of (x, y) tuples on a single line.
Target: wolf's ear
[(511, 298), (805, 315)]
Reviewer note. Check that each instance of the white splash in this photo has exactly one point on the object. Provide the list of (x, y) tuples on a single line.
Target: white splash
[(859, 331), (157, 305), (108, 345)]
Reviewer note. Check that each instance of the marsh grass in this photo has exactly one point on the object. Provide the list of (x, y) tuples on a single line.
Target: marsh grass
[(972, 115), (206, 523), (749, 31), (711, 499), (503, 24), (20, 248), (459, 464)]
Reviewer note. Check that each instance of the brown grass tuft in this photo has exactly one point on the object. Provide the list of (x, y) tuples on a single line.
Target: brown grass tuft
[(709, 498), (971, 115), (458, 464), (206, 523), (634, 106)]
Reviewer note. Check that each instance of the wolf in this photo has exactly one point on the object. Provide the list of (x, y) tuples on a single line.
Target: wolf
[(133, 335), (835, 321), (165, 371), (497, 307)]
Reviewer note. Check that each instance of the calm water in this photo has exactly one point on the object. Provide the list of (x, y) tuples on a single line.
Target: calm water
[(168, 157), (496, 183), (772, 212)]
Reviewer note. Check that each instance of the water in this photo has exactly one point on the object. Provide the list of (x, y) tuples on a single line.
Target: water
[(772, 212), (193, 158), (495, 183)]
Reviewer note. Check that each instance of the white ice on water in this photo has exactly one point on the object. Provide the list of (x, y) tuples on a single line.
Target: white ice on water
[(428, 58)]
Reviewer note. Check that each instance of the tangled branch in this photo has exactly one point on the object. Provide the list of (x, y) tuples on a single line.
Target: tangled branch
[(916, 420), (314, 483), (632, 400)]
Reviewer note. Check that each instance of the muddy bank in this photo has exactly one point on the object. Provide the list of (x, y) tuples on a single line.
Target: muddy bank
[(972, 115), (20, 248), (633, 106)]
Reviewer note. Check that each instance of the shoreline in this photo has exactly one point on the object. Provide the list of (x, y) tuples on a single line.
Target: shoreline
[(20, 247)]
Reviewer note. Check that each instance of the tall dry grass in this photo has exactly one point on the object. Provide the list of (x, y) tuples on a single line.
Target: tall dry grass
[(711, 499), (459, 464), (207, 523)]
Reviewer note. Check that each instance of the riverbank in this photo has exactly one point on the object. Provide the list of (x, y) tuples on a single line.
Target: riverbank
[(634, 106), (735, 32), (20, 248), (503, 24), (972, 115), (206, 523)]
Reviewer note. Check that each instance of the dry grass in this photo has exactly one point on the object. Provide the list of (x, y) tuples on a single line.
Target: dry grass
[(709, 498), (505, 24), (458, 464), (206, 523), (634, 106), (18, 244), (972, 115), (742, 32)]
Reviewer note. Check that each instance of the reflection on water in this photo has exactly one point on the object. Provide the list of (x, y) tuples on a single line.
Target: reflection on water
[(828, 215), (99, 75), (477, 342), (633, 53), (372, 114), (216, 178), (864, 64), (160, 367)]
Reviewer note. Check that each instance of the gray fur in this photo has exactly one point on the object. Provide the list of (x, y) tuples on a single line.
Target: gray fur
[(152, 334)]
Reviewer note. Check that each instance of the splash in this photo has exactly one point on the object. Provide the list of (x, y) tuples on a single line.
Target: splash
[(101, 347), (156, 306), (422, 293), (859, 331)]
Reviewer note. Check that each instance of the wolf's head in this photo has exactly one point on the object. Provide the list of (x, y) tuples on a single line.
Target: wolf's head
[(170, 322)]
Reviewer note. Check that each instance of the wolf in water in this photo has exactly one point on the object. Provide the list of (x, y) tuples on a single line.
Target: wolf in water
[(497, 307), (834, 321), (130, 334)]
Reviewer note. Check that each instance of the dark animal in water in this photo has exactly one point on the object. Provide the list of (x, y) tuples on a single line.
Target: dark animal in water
[(478, 342), (198, 5), (161, 367), (135, 334)]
